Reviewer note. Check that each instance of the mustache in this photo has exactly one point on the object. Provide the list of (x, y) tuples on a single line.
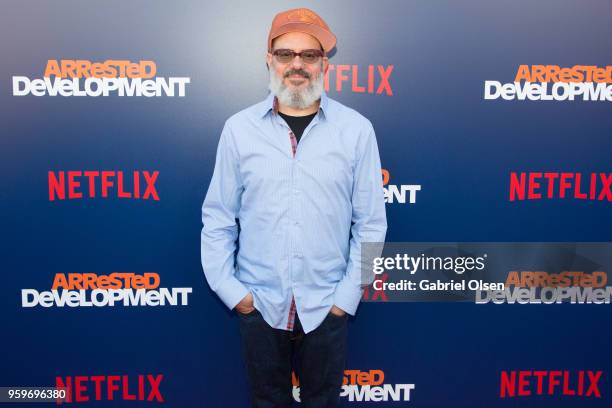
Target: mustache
[(297, 72)]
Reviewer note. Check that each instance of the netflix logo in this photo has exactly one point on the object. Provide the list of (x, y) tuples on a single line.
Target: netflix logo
[(552, 185), (84, 388), (139, 185), (524, 383), (372, 79)]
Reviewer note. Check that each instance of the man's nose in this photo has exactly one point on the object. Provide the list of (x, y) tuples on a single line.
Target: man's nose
[(297, 62)]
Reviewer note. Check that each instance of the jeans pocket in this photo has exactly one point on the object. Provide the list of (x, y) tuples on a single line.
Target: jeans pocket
[(252, 312), (336, 317)]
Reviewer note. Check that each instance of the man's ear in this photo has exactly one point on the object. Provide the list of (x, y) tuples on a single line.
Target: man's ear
[(268, 60), (325, 65)]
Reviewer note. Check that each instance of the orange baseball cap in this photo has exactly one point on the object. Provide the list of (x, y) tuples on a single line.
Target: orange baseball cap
[(302, 20)]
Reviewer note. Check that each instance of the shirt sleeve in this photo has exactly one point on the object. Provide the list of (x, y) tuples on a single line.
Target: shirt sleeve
[(219, 217), (369, 222)]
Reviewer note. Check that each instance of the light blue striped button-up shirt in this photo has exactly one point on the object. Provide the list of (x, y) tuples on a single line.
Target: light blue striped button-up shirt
[(284, 227)]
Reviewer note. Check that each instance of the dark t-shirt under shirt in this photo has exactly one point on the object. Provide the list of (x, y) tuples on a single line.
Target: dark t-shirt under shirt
[(297, 123)]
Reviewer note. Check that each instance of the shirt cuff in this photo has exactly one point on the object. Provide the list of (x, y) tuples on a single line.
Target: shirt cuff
[(348, 295), (231, 291)]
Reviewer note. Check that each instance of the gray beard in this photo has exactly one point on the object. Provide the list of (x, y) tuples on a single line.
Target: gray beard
[(298, 99)]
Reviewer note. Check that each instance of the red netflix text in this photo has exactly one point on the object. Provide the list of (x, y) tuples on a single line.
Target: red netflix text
[(539, 185), (83, 388), (104, 184), (525, 383), (375, 79)]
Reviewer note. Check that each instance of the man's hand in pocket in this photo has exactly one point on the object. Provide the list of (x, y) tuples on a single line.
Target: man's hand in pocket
[(335, 310), (246, 304)]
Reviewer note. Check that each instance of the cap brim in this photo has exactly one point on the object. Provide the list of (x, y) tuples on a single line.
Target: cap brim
[(325, 37)]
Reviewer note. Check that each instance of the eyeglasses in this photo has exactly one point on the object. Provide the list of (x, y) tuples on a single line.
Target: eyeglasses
[(308, 56)]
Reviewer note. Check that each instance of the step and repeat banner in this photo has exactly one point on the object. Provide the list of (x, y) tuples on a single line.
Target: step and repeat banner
[(494, 125)]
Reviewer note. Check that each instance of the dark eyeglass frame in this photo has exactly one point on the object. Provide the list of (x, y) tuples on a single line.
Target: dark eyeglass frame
[(318, 54)]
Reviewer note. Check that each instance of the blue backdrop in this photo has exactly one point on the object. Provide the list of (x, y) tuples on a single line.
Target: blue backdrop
[(436, 130)]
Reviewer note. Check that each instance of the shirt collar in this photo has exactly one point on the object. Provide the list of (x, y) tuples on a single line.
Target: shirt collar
[(271, 104)]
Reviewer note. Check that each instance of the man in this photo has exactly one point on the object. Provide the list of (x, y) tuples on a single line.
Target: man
[(295, 191)]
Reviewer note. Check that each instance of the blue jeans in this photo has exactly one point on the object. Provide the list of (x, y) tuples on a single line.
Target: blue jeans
[(318, 359)]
